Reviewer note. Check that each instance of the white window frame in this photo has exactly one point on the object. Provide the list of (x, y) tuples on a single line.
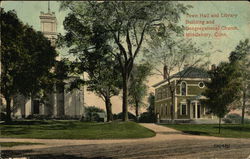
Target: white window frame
[(181, 88), (182, 110)]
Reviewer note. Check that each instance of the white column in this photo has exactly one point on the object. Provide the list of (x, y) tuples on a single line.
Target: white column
[(191, 110), (196, 112)]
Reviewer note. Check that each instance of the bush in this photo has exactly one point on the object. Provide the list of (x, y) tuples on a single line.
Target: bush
[(147, 117), (235, 119), (91, 114), (3, 116), (38, 117), (119, 116)]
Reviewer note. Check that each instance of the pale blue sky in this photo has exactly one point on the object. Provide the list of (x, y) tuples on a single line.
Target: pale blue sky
[(29, 11)]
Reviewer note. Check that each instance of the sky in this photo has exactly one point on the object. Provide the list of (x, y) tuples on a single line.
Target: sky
[(219, 47)]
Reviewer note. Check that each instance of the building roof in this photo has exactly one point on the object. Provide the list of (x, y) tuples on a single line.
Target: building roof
[(189, 72)]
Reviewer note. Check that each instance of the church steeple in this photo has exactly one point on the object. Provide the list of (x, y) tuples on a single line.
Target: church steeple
[(48, 6), (49, 24)]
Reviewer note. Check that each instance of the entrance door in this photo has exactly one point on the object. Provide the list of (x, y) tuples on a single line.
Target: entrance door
[(193, 104), (198, 111), (36, 107)]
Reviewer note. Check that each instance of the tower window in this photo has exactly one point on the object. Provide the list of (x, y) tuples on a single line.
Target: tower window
[(183, 89)]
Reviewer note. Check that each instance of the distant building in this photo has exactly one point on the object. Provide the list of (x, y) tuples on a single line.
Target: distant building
[(189, 85), (60, 103)]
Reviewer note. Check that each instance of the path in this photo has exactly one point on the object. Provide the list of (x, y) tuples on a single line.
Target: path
[(168, 143), (162, 133)]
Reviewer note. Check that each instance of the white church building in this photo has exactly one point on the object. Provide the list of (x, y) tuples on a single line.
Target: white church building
[(59, 103)]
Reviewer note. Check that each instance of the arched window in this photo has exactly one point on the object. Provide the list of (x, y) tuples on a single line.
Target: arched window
[(183, 88)]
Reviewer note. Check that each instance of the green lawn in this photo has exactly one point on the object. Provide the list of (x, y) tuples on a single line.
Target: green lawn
[(11, 144), (74, 130), (227, 130)]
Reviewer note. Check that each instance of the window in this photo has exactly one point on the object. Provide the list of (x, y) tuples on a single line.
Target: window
[(162, 110), (183, 109), (183, 89), (166, 107), (201, 84)]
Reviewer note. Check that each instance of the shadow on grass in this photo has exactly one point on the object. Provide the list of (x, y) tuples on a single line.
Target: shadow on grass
[(25, 122), (196, 132), (170, 133), (14, 131), (22, 155)]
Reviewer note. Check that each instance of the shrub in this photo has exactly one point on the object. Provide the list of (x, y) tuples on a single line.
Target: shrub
[(147, 117), (235, 119), (38, 117), (119, 116), (91, 114), (2, 116)]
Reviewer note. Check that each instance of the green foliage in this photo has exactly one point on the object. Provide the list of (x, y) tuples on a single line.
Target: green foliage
[(91, 113), (147, 117), (151, 102), (93, 109), (138, 88), (130, 116), (26, 58), (235, 119), (240, 60), (221, 90), (124, 25)]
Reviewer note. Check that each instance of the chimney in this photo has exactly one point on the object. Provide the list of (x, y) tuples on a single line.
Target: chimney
[(213, 67), (165, 72)]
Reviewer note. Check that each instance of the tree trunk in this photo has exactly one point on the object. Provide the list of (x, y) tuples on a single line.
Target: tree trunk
[(243, 107), (172, 106), (8, 110), (125, 98), (109, 109), (137, 111), (219, 124)]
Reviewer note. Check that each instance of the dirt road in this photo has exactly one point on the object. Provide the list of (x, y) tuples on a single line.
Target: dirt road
[(168, 143)]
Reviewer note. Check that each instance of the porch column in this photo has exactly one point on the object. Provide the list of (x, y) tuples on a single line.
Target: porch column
[(196, 112), (191, 110)]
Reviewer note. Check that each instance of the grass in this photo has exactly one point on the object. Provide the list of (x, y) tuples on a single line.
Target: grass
[(227, 130), (11, 144), (74, 130)]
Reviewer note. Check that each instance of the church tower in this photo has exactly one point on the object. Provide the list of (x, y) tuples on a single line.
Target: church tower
[(49, 25)]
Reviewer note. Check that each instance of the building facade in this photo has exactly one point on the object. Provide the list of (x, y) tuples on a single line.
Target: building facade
[(188, 86), (60, 102)]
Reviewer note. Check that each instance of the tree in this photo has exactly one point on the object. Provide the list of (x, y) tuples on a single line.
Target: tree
[(127, 24), (26, 59), (151, 102), (104, 78), (173, 53), (240, 59), (105, 82), (221, 90), (149, 116), (137, 86)]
